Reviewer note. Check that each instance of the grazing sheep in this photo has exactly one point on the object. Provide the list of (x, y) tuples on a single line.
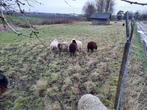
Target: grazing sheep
[(91, 46), (79, 44), (63, 46), (3, 83), (73, 48), (54, 45)]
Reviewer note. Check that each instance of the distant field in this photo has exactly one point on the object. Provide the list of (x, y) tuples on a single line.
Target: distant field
[(25, 21), (76, 30), (16, 18), (37, 76)]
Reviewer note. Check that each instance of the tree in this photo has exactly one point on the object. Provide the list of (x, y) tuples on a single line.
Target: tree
[(104, 5), (120, 15), (136, 15), (109, 5), (89, 9), (100, 5)]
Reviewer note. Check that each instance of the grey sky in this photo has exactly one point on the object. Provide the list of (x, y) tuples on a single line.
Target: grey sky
[(60, 6)]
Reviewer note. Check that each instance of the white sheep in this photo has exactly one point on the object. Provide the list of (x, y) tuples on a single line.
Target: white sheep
[(54, 45), (90, 102), (79, 44)]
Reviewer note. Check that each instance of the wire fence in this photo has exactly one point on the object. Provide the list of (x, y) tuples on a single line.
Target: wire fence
[(130, 25)]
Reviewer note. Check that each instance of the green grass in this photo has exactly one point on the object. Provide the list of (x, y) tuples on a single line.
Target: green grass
[(135, 91), (16, 18), (9, 37), (143, 58), (27, 62), (140, 50), (61, 31)]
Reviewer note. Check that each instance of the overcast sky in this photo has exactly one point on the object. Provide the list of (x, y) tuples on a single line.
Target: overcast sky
[(75, 6)]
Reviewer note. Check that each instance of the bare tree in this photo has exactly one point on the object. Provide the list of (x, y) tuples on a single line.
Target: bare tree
[(120, 15), (100, 4), (109, 6), (89, 9), (104, 5)]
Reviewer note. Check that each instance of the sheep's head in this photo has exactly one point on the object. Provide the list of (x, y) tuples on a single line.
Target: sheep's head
[(74, 41)]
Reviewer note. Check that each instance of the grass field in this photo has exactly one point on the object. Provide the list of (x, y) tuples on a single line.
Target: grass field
[(135, 93), (39, 79)]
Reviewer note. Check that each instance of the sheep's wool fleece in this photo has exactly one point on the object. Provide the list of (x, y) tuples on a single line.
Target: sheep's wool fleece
[(90, 102)]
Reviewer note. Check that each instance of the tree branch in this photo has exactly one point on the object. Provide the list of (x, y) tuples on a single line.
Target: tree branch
[(4, 6), (137, 3)]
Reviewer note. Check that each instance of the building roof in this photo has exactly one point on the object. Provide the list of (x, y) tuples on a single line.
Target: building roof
[(100, 15)]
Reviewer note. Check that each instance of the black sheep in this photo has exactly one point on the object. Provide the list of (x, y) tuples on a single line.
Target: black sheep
[(91, 46), (3, 83), (73, 48)]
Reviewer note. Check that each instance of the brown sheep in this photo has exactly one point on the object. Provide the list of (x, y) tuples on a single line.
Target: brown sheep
[(73, 48), (91, 46)]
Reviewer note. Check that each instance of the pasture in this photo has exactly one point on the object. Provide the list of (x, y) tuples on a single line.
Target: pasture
[(39, 78)]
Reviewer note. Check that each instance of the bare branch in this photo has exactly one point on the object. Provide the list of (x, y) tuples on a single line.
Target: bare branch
[(137, 3), (5, 21), (6, 6), (19, 5), (67, 3)]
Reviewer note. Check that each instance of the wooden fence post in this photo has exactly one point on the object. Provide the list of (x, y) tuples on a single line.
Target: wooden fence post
[(124, 66)]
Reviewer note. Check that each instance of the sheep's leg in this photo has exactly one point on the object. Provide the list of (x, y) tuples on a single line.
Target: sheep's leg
[(75, 54), (71, 54), (60, 53)]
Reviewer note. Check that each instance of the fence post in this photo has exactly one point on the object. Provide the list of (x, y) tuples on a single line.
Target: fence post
[(127, 24), (124, 64)]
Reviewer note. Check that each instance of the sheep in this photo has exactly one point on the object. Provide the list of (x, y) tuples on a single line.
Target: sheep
[(79, 44), (3, 83), (63, 46), (54, 45), (73, 48), (91, 46), (90, 102)]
